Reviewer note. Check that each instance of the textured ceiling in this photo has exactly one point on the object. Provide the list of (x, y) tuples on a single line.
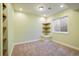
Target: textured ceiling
[(49, 8)]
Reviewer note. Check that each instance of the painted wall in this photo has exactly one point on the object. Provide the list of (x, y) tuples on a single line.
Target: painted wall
[(27, 27), (10, 28), (0, 29), (71, 38)]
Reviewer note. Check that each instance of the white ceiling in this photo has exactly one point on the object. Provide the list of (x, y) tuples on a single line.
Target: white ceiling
[(33, 7)]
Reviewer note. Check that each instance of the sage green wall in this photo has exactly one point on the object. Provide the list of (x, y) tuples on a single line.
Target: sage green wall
[(27, 27), (10, 28), (72, 37), (0, 29)]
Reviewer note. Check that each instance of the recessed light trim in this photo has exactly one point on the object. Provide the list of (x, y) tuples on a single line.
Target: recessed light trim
[(61, 6), (41, 8)]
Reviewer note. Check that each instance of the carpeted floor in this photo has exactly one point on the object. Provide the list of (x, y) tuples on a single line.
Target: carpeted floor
[(43, 48)]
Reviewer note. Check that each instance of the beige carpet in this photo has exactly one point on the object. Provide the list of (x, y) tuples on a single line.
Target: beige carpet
[(43, 48)]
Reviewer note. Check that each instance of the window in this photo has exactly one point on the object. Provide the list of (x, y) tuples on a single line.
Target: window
[(60, 25)]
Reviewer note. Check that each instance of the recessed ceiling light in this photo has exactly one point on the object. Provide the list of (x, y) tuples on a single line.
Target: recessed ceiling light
[(61, 6), (49, 8), (20, 9), (41, 8)]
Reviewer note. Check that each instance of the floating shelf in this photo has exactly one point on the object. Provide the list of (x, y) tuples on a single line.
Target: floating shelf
[(46, 28), (4, 6), (46, 34), (5, 33), (4, 29), (4, 52), (46, 31), (4, 17), (46, 24), (4, 39)]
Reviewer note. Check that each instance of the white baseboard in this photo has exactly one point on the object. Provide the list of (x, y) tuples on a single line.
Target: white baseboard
[(58, 42), (66, 45), (22, 43), (11, 51), (26, 42)]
